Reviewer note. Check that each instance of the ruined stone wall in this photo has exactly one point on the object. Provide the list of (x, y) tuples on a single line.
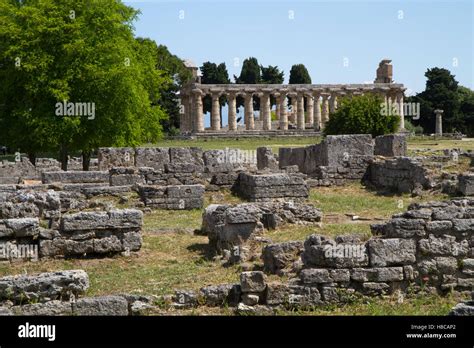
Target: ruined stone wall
[(400, 174), (233, 229), (23, 236), (265, 187), (336, 160), (176, 197)]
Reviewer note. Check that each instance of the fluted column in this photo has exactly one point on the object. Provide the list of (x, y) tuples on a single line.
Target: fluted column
[(249, 119), (189, 114), (325, 110), (294, 108), (266, 114), (300, 124), (333, 103), (232, 111), (400, 110), (310, 109), (317, 111), (215, 113), (439, 122), (283, 113), (198, 112), (277, 107)]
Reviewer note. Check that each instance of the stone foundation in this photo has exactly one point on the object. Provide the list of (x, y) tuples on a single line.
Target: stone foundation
[(177, 197), (265, 187)]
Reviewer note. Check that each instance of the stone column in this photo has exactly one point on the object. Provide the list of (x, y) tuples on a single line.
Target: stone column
[(265, 111), (198, 112), (300, 124), (232, 112), (215, 113), (439, 122), (283, 113), (333, 103), (294, 108), (249, 119), (310, 110), (277, 107), (325, 110), (401, 112), (317, 111), (183, 111), (189, 114)]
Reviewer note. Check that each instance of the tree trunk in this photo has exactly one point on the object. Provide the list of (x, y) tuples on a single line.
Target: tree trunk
[(86, 160), (32, 158), (63, 157)]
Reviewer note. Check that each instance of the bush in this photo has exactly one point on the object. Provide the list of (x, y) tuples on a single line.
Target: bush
[(410, 127), (362, 115)]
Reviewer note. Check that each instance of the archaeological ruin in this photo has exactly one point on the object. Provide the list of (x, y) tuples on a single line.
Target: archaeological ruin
[(320, 101)]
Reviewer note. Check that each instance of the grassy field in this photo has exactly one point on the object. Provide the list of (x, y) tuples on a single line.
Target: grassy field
[(414, 143), (173, 258)]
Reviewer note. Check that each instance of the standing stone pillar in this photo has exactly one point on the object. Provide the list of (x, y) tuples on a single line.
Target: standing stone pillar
[(189, 114), (265, 111), (317, 111), (232, 111), (310, 110), (283, 113), (439, 122), (333, 103), (294, 108), (183, 111), (277, 107), (198, 112), (249, 118), (400, 111), (215, 113), (300, 124), (325, 110)]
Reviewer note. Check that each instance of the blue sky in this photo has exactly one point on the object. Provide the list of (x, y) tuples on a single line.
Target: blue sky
[(415, 34)]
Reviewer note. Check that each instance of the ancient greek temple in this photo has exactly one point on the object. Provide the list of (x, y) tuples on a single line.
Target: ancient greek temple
[(310, 108)]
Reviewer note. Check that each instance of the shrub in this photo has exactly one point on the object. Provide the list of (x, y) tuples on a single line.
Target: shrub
[(362, 115), (410, 127)]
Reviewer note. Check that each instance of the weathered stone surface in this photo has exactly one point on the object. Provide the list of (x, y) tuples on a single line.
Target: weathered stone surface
[(75, 177), (292, 295), (116, 157), (176, 197), (466, 184), (401, 228), (230, 226), (266, 159), (321, 251), (277, 257), (152, 157), (185, 299), (315, 276), (253, 281), (391, 252), (266, 187), (250, 299), (50, 308), (400, 174), (103, 305), (114, 219), (445, 245), (220, 295), (18, 228), (44, 286), (390, 145), (379, 274)]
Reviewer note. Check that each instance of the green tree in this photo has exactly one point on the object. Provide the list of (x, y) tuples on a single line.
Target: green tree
[(79, 52), (250, 74), (361, 115), (272, 75), (178, 75), (441, 92), (299, 75), (214, 74)]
